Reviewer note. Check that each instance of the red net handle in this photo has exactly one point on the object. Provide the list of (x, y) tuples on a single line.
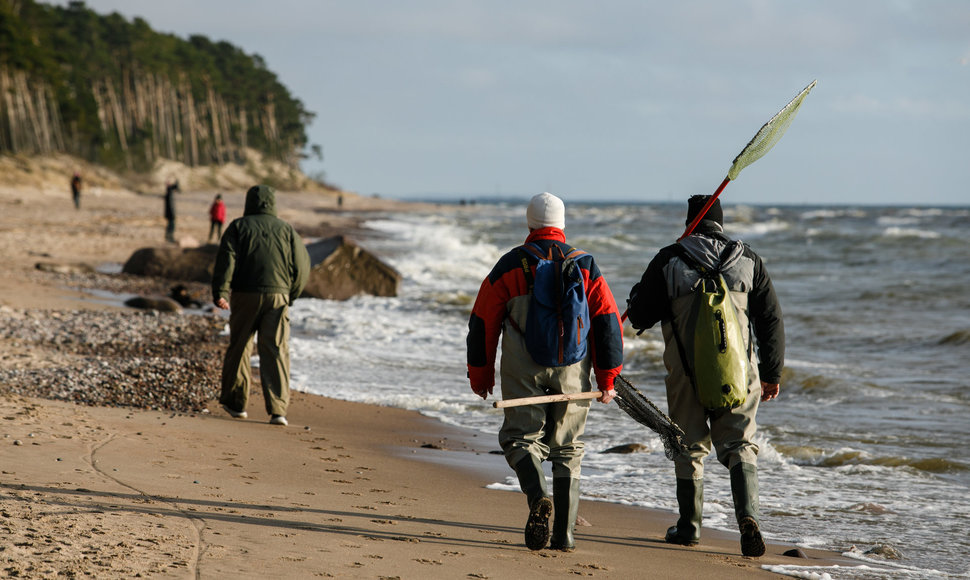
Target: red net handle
[(693, 224)]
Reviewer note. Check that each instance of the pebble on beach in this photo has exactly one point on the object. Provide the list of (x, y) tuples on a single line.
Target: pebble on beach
[(119, 358)]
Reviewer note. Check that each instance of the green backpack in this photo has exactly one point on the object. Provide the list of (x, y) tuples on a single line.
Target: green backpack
[(717, 360)]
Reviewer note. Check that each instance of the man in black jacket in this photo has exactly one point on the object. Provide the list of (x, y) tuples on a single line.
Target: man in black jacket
[(171, 188), (663, 295)]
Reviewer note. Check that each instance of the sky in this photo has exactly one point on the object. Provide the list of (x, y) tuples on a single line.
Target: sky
[(625, 100)]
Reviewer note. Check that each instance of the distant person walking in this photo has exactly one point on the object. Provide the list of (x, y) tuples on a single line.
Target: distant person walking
[(217, 217), (667, 294), (170, 189), (76, 190), (261, 267), (550, 432)]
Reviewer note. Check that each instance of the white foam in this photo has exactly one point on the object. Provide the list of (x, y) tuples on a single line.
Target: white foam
[(756, 230), (888, 220), (898, 232), (808, 573), (819, 214)]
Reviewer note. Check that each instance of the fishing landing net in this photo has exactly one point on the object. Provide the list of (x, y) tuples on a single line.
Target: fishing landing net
[(637, 406), (761, 143), (768, 135)]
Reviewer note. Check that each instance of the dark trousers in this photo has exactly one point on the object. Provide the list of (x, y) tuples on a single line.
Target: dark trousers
[(170, 230), (215, 228)]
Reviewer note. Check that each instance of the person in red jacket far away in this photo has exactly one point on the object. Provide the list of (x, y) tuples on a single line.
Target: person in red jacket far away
[(217, 217)]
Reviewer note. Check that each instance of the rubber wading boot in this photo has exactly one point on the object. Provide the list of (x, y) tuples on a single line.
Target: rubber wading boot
[(690, 502), (565, 500), (744, 488), (533, 484)]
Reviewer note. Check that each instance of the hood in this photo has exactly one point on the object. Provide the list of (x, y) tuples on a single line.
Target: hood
[(714, 253), (260, 199)]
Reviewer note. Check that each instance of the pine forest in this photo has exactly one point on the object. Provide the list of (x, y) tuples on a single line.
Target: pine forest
[(117, 93)]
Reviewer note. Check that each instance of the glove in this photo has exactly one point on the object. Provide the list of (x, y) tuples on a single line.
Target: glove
[(482, 390)]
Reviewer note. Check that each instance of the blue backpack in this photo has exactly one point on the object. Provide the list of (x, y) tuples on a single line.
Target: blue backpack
[(557, 325)]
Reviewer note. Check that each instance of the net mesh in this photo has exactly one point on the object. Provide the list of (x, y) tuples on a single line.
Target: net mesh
[(637, 406), (768, 135)]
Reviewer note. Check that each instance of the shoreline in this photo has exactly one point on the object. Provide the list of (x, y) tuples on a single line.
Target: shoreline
[(116, 491)]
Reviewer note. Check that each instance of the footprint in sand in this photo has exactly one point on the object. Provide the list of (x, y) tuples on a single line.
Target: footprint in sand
[(594, 567), (427, 561)]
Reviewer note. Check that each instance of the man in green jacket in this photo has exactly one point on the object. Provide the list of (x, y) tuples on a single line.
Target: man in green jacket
[(264, 262)]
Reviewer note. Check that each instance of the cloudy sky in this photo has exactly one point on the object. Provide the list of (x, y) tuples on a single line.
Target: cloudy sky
[(614, 100)]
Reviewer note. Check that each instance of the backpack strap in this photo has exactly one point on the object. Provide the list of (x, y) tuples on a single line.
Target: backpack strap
[(573, 253), (526, 270), (534, 249)]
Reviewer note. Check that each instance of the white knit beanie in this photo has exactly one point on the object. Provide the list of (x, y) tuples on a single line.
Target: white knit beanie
[(546, 210)]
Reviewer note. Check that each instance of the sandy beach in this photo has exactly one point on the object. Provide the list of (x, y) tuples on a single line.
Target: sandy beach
[(345, 491)]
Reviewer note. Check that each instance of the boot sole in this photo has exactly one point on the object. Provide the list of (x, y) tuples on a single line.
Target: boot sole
[(537, 528), (752, 544)]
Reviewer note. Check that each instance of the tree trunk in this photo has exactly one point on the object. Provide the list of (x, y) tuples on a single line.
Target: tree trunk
[(119, 121), (7, 140)]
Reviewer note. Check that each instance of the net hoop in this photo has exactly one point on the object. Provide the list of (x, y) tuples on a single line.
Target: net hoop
[(769, 134)]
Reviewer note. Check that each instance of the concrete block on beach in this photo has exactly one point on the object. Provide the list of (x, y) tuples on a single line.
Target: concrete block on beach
[(340, 269)]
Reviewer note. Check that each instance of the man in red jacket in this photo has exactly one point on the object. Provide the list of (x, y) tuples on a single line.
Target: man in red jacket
[(531, 434)]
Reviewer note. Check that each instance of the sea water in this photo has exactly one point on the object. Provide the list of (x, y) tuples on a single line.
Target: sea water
[(865, 452)]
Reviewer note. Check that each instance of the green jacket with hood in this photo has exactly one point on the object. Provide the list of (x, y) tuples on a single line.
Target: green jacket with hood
[(259, 252)]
